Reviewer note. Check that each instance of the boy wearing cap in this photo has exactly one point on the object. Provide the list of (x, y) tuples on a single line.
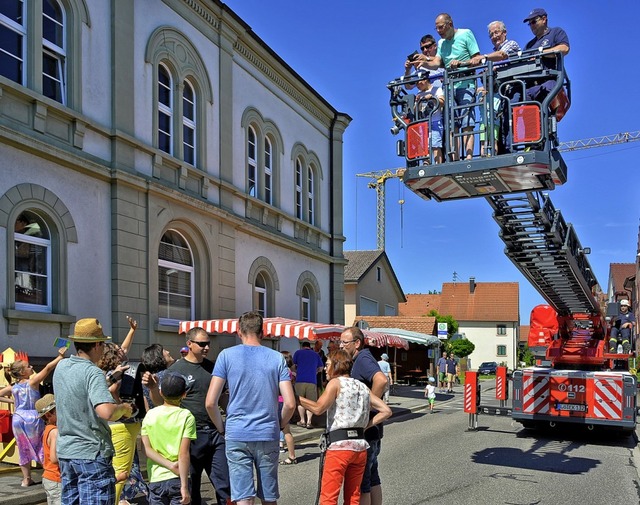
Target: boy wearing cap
[(386, 370), (430, 393), (51, 482), (167, 431), (84, 406)]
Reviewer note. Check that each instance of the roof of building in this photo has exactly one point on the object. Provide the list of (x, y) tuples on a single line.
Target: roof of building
[(419, 305), (487, 301), (425, 325), (524, 333), (359, 263)]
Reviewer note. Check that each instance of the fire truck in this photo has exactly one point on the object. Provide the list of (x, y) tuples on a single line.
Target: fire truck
[(576, 379)]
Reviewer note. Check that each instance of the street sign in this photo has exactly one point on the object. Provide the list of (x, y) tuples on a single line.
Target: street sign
[(442, 331)]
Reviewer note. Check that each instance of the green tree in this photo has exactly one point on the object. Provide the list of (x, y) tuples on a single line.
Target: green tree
[(452, 324), (526, 356), (461, 348)]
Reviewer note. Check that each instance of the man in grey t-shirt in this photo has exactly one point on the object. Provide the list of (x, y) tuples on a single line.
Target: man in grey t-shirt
[(84, 406)]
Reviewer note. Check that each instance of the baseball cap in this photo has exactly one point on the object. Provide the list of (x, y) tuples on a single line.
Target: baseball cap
[(385, 356), (184, 349), (534, 14), (625, 302)]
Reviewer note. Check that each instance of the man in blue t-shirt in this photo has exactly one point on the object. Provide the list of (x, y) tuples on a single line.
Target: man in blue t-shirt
[(366, 369), (308, 363), (256, 376), (550, 40)]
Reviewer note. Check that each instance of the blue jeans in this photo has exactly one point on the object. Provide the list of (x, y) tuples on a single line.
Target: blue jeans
[(242, 457), (165, 492), (88, 482)]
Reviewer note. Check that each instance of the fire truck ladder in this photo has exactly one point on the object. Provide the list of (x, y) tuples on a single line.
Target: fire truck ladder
[(546, 250)]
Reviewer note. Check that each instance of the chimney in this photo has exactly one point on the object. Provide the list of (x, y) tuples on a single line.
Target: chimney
[(472, 284)]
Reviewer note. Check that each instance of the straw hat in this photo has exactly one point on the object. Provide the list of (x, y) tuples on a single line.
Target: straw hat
[(45, 404), (88, 330)]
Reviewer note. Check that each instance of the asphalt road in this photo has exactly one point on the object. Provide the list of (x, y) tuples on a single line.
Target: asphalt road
[(434, 459)]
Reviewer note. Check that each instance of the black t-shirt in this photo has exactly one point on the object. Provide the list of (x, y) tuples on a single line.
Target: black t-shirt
[(198, 379)]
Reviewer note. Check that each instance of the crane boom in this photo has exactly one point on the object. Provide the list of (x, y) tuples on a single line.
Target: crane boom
[(606, 140)]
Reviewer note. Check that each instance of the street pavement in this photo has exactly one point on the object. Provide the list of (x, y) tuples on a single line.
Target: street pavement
[(407, 399)]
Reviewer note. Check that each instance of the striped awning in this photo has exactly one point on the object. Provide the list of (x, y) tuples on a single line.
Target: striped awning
[(272, 327), (382, 339)]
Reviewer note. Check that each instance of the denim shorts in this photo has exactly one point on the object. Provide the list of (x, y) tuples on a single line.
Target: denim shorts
[(371, 478), (465, 117), (242, 458), (165, 491), (435, 134)]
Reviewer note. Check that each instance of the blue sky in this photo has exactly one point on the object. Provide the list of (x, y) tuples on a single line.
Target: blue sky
[(349, 50)]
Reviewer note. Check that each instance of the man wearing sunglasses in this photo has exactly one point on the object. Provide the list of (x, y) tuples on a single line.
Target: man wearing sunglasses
[(208, 450), (428, 49), (550, 40)]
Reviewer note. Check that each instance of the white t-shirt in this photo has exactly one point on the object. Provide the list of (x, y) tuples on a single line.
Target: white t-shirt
[(431, 391)]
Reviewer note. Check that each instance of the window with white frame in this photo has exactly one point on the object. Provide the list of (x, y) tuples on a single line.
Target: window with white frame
[(53, 51), (32, 267), (177, 112), (19, 30), (252, 163), (188, 123), (268, 172), (260, 294), (305, 304), (165, 110), (175, 279), (306, 187), (298, 189), (501, 329), (501, 350)]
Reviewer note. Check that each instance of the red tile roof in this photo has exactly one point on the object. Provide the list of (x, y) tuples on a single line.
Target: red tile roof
[(425, 325), (419, 305), (524, 334), (490, 301)]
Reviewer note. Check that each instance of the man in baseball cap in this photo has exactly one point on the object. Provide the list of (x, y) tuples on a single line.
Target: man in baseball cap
[(622, 329), (84, 406)]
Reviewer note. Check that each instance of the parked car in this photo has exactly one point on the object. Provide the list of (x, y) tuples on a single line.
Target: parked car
[(487, 368)]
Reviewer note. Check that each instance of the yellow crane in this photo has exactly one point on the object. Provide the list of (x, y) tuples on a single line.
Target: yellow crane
[(379, 178)]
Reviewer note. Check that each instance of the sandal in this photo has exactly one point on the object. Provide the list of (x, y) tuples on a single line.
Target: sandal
[(308, 426), (289, 461), (301, 424)]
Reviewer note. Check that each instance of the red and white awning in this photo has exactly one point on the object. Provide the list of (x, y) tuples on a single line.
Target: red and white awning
[(271, 327), (379, 339)]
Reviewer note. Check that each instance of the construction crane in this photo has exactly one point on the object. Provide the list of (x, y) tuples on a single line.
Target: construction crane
[(379, 178)]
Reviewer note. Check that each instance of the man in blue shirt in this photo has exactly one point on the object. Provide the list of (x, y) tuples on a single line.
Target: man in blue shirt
[(550, 40), (256, 376), (308, 363)]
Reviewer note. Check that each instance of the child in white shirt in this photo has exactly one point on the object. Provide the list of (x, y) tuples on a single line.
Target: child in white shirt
[(430, 393)]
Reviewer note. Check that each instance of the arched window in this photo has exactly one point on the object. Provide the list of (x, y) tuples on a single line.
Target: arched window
[(189, 123), (252, 163), (305, 304), (165, 110), (299, 188), (260, 295), (32, 267), (268, 173), (53, 51), (175, 279), (182, 93), (310, 196)]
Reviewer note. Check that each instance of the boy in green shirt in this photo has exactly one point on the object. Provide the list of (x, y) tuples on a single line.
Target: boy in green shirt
[(167, 432)]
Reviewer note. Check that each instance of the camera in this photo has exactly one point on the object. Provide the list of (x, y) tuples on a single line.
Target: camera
[(413, 55)]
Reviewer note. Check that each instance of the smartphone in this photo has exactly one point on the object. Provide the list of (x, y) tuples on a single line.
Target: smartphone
[(413, 55), (61, 342)]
